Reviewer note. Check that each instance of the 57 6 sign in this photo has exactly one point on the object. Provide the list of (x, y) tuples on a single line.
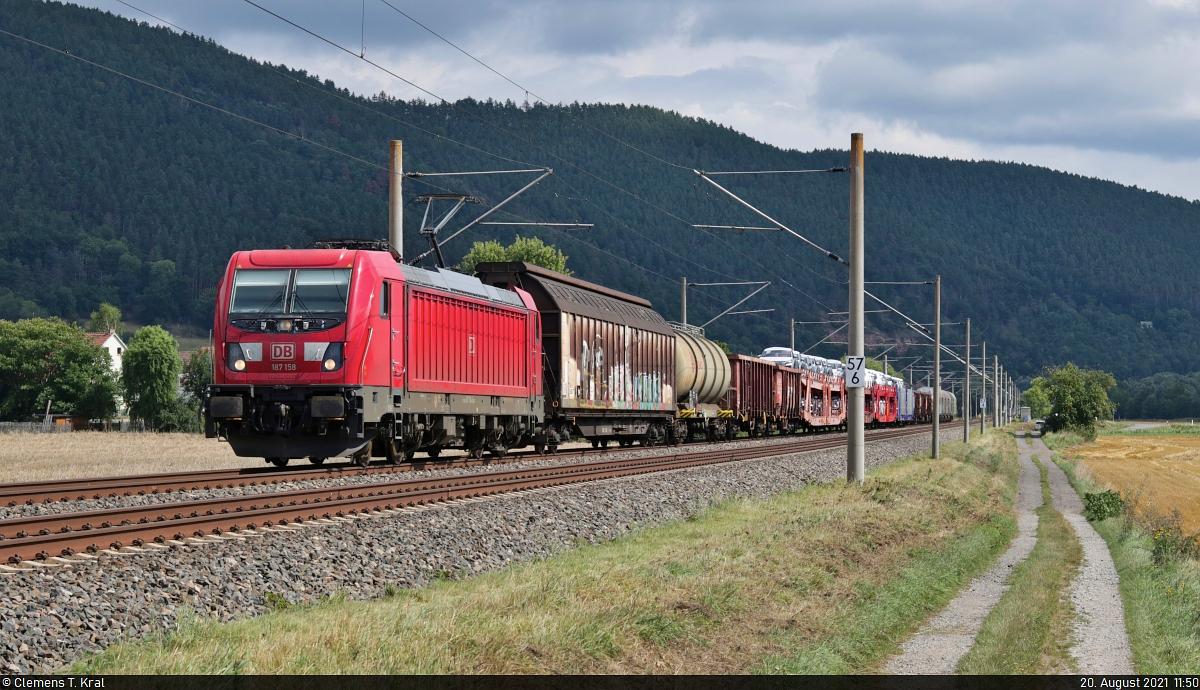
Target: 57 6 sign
[(856, 376)]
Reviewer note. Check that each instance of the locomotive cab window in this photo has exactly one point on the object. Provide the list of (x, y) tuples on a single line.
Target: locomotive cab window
[(321, 290), (258, 291), (262, 292), (385, 294)]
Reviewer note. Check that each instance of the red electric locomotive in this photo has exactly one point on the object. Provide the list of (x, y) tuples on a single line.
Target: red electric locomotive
[(341, 351)]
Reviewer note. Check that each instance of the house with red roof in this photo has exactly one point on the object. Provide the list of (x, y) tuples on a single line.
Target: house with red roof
[(112, 342)]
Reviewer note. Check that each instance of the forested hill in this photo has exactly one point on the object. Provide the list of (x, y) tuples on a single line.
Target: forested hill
[(112, 191)]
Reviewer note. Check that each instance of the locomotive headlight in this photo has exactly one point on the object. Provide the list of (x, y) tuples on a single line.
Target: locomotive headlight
[(332, 357), (285, 325), (235, 359), (240, 353)]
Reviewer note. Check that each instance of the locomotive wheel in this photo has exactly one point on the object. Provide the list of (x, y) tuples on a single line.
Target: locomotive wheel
[(552, 448), (363, 457), (539, 448), (595, 444), (434, 452), (278, 462), (394, 452), (317, 461)]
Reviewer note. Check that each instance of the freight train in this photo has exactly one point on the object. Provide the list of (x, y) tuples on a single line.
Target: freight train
[(341, 350)]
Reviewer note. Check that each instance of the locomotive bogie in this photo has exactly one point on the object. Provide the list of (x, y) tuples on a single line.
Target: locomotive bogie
[(403, 435)]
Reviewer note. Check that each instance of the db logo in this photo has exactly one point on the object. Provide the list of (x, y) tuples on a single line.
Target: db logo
[(283, 351)]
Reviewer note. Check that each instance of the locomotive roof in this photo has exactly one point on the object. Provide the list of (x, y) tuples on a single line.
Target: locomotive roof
[(555, 292), (453, 281)]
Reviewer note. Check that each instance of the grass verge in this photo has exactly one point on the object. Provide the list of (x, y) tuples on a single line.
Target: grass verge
[(1165, 430), (1059, 440), (827, 579), (1162, 600), (1029, 631)]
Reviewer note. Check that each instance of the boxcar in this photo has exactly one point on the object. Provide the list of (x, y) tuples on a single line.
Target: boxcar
[(609, 357)]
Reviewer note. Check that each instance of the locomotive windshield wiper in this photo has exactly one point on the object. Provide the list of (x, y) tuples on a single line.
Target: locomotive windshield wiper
[(298, 301), (263, 312)]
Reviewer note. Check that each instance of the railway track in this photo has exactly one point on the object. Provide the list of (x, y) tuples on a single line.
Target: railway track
[(65, 534), (61, 491)]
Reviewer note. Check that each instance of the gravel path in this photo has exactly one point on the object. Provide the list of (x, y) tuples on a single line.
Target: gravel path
[(944, 640), (1101, 643), (50, 616), (1140, 426)]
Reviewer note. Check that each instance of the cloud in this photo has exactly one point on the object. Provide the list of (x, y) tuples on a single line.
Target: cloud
[(1097, 87)]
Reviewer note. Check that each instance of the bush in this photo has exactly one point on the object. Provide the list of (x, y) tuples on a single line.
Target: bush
[(1171, 543), (182, 416), (1102, 505)]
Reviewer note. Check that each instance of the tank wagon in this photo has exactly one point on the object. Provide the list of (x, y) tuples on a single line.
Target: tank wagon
[(346, 352)]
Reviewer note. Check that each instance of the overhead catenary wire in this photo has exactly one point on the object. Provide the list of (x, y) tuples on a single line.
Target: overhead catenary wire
[(689, 260), (634, 264), (218, 109), (750, 206), (351, 156), (822, 340), (516, 136), (528, 92), (349, 101), (470, 114), (433, 95), (776, 172)]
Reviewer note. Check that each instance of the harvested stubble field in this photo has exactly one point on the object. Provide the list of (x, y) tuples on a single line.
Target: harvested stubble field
[(1164, 469), (26, 457)]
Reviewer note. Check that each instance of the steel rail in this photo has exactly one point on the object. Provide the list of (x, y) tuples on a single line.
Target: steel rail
[(143, 524), (55, 491), (66, 490)]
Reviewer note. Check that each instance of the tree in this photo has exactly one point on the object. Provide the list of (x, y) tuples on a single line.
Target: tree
[(531, 250), (150, 374), (1037, 398), (106, 319), (1078, 397), (167, 296), (482, 252), (48, 360), (14, 308), (197, 374)]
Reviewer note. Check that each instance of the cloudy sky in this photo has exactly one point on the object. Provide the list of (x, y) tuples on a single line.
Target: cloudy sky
[(1100, 88)]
